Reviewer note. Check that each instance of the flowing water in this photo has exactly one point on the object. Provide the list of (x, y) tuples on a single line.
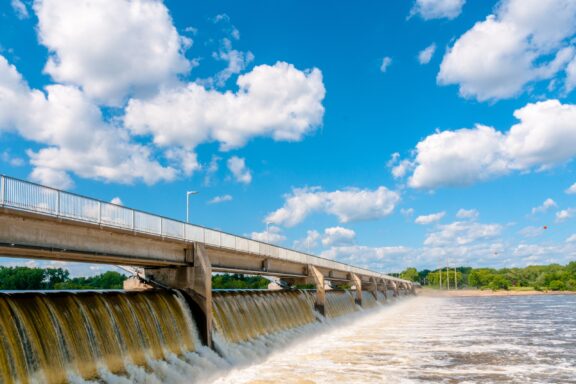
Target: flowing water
[(523, 339), (277, 337)]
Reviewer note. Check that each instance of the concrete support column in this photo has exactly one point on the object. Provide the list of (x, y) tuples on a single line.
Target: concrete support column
[(372, 287), (395, 288), (383, 287), (318, 277), (196, 282), (358, 283)]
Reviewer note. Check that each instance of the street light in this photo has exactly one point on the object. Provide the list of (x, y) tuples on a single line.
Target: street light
[(188, 204)]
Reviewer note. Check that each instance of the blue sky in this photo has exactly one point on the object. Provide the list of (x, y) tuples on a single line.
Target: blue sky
[(384, 134)]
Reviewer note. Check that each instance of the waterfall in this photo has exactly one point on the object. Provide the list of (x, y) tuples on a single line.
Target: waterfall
[(243, 316), (368, 299), (44, 337), (149, 336), (380, 296), (339, 303)]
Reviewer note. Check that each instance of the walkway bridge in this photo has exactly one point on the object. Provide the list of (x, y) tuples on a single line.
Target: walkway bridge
[(46, 223)]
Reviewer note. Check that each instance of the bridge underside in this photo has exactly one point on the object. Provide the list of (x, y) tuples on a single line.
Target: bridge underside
[(171, 262)]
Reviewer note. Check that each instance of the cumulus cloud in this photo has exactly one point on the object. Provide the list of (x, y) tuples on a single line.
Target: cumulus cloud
[(351, 204), (116, 200), (515, 46), (309, 242), (437, 9), (545, 137), (75, 136), (111, 48), (241, 173), (571, 238), (467, 214), (386, 62), (220, 199), (272, 236), (426, 54), (545, 207), (462, 233), (279, 101), (429, 219), (571, 190), (565, 214), (386, 258), (531, 231), (336, 236), (20, 9)]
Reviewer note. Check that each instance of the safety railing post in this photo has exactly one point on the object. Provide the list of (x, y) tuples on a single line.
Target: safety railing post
[(58, 203), (3, 190)]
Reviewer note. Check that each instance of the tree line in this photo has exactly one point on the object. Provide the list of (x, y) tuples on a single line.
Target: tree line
[(553, 277), (28, 279), (25, 278)]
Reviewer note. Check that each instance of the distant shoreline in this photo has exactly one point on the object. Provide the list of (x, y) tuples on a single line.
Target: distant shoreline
[(485, 293)]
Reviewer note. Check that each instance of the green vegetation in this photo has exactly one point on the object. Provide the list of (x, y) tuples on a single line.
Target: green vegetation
[(553, 277), (237, 281), (25, 278)]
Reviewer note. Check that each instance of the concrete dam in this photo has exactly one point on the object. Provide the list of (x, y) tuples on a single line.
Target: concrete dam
[(171, 326)]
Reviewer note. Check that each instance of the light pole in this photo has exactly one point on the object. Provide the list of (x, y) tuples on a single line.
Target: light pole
[(188, 204)]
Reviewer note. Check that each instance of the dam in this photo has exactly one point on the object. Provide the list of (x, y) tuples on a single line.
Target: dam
[(168, 325)]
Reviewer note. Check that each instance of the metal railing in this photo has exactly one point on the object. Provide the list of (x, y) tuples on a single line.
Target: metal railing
[(27, 196)]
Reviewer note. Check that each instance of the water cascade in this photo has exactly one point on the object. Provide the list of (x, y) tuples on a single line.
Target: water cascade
[(339, 303), (149, 336), (368, 300), (380, 296), (45, 337), (242, 316)]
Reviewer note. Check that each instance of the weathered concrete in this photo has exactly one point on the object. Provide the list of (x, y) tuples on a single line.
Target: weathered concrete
[(318, 277), (358, 285), (196, 282)]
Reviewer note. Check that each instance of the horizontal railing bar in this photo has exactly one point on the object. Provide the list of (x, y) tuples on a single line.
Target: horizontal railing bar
[(119, 216)]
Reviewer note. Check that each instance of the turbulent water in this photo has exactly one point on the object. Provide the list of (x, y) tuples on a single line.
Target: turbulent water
[(528, 339), (277, 337)]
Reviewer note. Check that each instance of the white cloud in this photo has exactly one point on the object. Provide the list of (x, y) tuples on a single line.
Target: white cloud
[(571, 75), (545, 207), (351, 204), (399, 167), (426, 54), (571, 190), (545, 137), (517, 45), (571, 238), (116, 200), (429, 219), (437, 9), (237, 61), (337, 236), (111, 48), (20, 9), (383, 259), (407, 212), (565, 214), (279, 101), (220, 199), (468, 214), (272, 236), (75, 136), (462, 233), (531, 231), (309, 242), (14, 161), (386, 62), (241, 173)]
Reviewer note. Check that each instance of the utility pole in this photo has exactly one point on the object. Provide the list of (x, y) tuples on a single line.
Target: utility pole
[(440, 273), (455, 278)]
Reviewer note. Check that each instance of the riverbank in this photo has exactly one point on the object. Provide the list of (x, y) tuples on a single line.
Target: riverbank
[(485, 293)]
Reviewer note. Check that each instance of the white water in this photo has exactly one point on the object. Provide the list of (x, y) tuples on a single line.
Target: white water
[(423, 340)]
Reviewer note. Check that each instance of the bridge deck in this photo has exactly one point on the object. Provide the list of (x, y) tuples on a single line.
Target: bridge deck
[(38, 221)]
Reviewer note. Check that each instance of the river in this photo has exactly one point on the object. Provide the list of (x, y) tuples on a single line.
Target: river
[(524, 339)]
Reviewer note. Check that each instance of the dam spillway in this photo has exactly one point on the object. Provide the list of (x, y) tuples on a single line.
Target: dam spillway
[(149, 336)]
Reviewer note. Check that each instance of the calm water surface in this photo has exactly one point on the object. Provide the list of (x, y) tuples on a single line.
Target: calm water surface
[(522, 339)]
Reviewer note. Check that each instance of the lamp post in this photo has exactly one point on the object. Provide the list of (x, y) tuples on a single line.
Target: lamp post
[(188, 204)]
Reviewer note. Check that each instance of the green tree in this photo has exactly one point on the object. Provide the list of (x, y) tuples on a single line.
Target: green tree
[(410, 274)]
